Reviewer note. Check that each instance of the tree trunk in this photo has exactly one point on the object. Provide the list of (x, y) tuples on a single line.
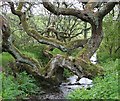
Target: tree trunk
[(94, 42), (54, 72)]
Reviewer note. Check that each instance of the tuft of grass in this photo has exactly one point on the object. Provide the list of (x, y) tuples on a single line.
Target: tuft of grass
[(104, 88)]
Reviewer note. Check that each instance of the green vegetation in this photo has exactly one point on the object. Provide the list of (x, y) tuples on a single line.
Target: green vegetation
[(103, 88), (67, 73), (110, 45), (5, 58), (20, 87)]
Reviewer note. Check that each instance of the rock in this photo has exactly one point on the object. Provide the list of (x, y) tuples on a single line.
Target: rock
[(85, 81), (73, 79)]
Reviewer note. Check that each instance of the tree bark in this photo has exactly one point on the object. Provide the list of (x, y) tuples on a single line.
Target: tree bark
[(78, 66)]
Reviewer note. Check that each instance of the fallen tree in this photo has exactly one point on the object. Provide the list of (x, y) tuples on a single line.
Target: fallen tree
[(79, 65)]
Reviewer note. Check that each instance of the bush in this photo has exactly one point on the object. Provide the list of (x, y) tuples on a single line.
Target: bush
[(109, 47), (19, 87), (26, 83), (104, 88), (9, 87)]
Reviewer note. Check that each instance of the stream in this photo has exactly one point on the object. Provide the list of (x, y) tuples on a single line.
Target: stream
[(73, 84), (65, 88)]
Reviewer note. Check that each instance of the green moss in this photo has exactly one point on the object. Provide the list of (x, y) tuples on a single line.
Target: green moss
[(19, 8), (56, 51), (89, 69), (81, 52), (5, 58)]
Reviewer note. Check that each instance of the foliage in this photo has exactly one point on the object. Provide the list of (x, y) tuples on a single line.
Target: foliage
[(19, 87), (9, 88), (36, 51), (104, 88), (110, 44), (26, 83), (67, 73), (5, 58), (29, 54)]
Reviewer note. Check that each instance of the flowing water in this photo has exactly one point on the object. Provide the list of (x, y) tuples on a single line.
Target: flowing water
[(73, 84)]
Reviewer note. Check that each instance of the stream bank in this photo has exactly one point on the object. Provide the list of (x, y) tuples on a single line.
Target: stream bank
[(64, 89)]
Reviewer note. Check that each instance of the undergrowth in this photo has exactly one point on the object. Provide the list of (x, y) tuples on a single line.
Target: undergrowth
[(103, 87), (17, 88)]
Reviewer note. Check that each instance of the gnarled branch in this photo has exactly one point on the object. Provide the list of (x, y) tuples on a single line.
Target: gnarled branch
[(65, 11), (107, 8)]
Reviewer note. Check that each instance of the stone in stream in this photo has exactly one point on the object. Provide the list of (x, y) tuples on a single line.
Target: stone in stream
[(73, 79), (85, 81)]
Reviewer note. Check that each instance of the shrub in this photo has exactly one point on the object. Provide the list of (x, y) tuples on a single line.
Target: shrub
[(9, 87), (26, 83), (19, 87)]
